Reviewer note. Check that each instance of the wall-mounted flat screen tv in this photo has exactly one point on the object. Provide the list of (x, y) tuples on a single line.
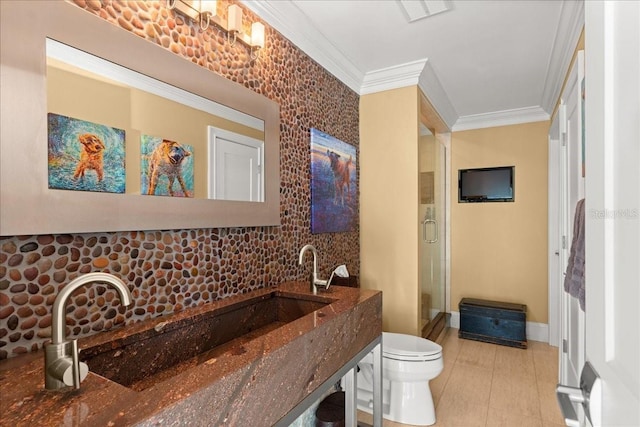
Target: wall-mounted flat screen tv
[(486, 185)]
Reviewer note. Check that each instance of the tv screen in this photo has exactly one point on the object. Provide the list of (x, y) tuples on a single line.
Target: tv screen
[(486, 185)]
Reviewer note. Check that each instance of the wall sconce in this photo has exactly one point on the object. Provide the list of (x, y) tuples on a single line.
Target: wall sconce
[(234, 22), (257, 39), (199, 10), (205, 12)]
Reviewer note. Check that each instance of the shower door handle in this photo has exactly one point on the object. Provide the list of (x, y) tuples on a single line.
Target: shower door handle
[(424, 230)]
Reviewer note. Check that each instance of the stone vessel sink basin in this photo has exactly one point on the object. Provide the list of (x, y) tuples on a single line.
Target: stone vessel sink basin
[(254, 371), (163, 349)]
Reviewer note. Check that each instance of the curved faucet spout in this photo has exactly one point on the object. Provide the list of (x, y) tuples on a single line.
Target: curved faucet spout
[(62, 366), (58, 315), (311, 248), (314, 282)]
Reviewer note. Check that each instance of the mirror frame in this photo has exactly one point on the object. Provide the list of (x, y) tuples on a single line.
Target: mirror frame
[(28, 206)]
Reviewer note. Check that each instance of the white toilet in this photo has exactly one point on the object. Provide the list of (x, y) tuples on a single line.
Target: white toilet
[(408, 364)]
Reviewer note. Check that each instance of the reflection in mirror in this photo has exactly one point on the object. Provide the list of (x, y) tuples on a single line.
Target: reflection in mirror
[(112, 129), (235, 166)]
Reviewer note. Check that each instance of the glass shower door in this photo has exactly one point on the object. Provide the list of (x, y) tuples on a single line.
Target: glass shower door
[(431, 231)]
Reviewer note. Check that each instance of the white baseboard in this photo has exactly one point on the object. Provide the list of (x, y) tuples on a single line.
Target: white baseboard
[(535, 331), (538, 332), (454, 320)]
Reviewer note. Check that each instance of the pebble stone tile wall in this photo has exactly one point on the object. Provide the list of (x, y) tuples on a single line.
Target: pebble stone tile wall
[(174, 269)]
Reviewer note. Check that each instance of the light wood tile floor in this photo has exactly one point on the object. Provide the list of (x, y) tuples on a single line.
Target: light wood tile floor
[(488, 385)]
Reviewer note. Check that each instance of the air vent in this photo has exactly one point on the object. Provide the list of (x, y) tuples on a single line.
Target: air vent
[(419, 9)]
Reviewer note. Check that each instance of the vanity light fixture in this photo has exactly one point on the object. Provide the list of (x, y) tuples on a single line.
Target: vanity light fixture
[(208, 8), (201, 10), (205, 12), (234, 22), (257, 39)]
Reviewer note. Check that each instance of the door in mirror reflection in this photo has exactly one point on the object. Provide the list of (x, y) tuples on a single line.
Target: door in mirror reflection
[(235, 166)]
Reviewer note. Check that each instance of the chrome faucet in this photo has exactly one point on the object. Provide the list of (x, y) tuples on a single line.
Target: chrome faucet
[(61, 363), (314, 281)]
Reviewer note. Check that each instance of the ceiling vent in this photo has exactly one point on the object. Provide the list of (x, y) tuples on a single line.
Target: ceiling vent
[(419, 9)]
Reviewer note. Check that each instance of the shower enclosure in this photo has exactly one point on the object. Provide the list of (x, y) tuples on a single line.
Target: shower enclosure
[(432, 231)]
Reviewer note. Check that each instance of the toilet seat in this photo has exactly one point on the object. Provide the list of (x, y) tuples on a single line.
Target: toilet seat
[(409, 348)]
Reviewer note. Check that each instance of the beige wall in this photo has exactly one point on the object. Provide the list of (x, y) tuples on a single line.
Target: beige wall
[(389, 204), (499, 250)]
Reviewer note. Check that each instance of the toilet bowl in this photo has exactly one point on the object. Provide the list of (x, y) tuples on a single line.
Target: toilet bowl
[(408, 364)]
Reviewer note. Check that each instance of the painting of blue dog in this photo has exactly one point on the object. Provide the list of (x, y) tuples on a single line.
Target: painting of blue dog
[(85, 156), (334, 205)]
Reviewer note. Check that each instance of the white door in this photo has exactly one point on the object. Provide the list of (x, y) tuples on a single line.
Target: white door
[(612, 266), (554, 234), (572, 189), (235, 166)]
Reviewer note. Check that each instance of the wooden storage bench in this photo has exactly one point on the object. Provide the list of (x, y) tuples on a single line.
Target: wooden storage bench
[(492, 321)]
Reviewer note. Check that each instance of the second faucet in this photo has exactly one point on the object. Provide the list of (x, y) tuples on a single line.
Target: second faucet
[(340, 271), (314, 281)]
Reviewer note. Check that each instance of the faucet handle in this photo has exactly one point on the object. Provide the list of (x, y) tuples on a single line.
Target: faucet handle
[(64, 367), (74, 374), (340, 271), (323, 283), (83, 371), (75, 364)]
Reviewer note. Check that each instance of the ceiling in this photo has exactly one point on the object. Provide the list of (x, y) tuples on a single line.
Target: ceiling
[(481, 63)]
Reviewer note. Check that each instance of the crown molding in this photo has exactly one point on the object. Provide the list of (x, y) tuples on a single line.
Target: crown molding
[(311, 41), (395, 77), (416, 73), (501, 118), (437, 96), (570, 27), (307, 38)]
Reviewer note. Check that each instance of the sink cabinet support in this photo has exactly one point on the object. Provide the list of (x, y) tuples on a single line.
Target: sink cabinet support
[(351, 398), (348, 371), (377, 385)]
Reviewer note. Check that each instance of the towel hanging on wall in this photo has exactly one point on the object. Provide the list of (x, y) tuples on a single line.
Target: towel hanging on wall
[(574, 279)]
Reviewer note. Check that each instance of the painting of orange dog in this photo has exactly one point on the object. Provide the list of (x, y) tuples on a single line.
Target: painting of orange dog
[(341, 179), (167, 162), (91, 156), (333, 184), (85, 156)]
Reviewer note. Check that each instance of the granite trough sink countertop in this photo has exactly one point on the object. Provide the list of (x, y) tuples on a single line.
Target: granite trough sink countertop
[(244, 360)]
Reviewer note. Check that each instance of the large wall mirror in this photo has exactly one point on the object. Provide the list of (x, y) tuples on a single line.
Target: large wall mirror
[(104, 131)]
